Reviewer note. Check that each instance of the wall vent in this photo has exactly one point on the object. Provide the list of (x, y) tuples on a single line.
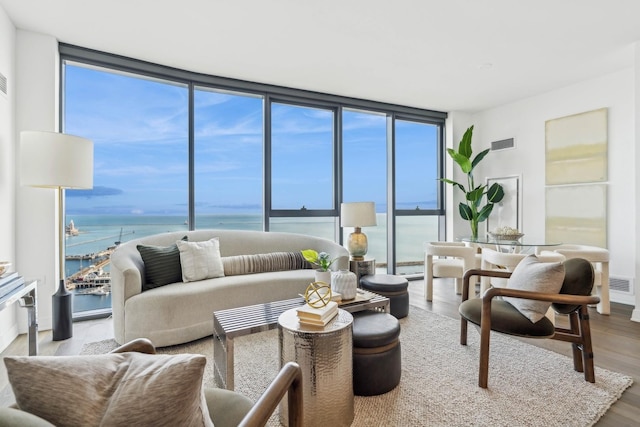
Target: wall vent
[(621, 284), (502, 144), (3, 84)]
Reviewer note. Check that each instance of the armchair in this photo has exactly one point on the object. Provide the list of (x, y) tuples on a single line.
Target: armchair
[(491, 313), (226, 408)]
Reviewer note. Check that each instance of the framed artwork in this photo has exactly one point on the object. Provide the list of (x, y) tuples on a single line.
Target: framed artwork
[(576, 148), (508, 212), (577, 214)]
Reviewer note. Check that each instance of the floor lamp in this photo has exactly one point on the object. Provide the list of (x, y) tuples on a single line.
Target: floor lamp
[(59, 161)]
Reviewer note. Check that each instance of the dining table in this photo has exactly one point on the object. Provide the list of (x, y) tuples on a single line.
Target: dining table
[(524, 244)]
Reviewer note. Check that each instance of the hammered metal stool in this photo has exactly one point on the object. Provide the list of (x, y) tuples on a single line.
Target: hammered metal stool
[(377, 364), (392, 287)]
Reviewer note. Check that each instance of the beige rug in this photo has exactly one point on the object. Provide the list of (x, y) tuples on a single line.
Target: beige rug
[(528, 386)]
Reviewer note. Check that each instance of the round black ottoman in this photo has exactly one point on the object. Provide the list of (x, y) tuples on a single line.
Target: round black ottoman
[(377, 364), (392, 287)]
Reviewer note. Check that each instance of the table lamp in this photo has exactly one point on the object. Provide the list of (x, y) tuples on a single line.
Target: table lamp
[(59, 161), (357, 214)]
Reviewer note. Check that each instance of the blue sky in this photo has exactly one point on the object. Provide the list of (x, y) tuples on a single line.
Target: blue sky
[(140, 133)]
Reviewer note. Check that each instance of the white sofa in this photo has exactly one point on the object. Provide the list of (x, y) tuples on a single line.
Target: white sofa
[(181, 312)]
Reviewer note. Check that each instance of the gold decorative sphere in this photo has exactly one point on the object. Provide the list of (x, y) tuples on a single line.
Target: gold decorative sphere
[(318, 294)]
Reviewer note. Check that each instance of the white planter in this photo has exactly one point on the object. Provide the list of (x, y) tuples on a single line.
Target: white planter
[(344, 282), (323, 276)]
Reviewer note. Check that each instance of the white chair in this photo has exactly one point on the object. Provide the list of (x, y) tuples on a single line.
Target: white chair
[(507, 261), (599, 259), (446, 259)]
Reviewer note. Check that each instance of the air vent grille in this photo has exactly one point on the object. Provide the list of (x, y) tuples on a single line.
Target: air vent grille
[(620, 284), (502, 144), (3, 84)]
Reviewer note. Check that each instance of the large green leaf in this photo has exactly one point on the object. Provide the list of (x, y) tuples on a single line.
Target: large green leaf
[(495, 194), (475, 195), (485, 212), (455, 184), (479, 157), (465, 143), (465, 211), (462, 161)]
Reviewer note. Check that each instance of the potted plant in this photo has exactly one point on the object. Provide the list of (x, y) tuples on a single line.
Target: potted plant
[(321, 260), (471, 210)]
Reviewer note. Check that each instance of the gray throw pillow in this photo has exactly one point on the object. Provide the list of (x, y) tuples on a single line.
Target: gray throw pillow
[(262, 263), (133, 389), (535, 276), (161, 265)]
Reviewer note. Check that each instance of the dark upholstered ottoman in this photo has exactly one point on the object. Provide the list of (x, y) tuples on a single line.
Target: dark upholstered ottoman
[(377, 364), (392, 287)]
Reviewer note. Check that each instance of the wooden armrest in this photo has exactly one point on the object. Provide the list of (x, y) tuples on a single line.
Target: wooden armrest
[(289, 379), (478, 272), (140, 345), (540, 296)]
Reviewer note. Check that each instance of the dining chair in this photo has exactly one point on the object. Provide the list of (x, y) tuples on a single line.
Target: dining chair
[(446, 259), (497, 314), (599, 259)]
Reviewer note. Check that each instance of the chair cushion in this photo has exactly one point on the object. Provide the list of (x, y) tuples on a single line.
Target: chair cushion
[(200, 260), (506, 318), (535, 276), (111, 389), (13, 417), (448, 268), (227, 408)]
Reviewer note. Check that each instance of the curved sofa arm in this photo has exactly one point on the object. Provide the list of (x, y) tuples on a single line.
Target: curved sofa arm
[(127, 271)]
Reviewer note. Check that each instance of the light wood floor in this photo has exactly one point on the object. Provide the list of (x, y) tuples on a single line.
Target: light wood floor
[(616, 342)]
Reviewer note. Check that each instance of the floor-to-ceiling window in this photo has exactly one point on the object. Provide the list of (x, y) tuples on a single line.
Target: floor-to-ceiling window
[(228, 159), (176, 150), (139, 129)]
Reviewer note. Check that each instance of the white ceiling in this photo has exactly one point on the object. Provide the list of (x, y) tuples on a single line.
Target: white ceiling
[(448, 55)]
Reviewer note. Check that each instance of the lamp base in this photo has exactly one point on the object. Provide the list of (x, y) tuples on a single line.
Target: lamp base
[(62, 311), (357, 245)]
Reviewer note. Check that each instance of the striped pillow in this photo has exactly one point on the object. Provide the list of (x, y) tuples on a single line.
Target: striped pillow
[(262, 263), (161, 265)]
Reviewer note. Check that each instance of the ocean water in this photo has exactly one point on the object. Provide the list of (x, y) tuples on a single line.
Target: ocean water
[(99, 232)]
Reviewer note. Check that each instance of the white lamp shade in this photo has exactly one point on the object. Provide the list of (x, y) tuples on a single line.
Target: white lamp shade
[(358, 214), (56, 160)]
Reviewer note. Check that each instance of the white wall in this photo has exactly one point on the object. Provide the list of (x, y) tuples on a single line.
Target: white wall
[(36, 208), (8, 323), (525, 122)]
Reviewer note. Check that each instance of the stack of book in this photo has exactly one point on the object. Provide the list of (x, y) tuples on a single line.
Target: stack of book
[(10, 282), (317, 316)]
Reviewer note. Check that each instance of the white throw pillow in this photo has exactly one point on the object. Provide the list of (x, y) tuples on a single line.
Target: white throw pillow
[(200, 260), (533, 275)]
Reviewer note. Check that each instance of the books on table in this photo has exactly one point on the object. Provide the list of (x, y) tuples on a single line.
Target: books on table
[(317, 316)]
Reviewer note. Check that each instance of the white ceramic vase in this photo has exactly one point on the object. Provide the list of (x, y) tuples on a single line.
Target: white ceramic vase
[(344, 282), (323, 276)]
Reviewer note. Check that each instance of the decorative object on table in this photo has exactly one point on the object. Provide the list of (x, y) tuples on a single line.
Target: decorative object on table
[(470, 209), (317, 316), (357, 215), (505, 233), (318, 294), (345, 283), (59, 161), (321, 260)]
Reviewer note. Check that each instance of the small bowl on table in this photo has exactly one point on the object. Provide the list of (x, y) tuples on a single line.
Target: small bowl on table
[(506, 237)]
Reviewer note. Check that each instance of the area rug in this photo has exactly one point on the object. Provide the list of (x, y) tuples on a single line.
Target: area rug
[(528, 385)]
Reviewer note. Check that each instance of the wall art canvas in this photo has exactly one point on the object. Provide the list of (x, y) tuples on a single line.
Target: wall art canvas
[(576, 148), (577, 214), (508, 212)]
